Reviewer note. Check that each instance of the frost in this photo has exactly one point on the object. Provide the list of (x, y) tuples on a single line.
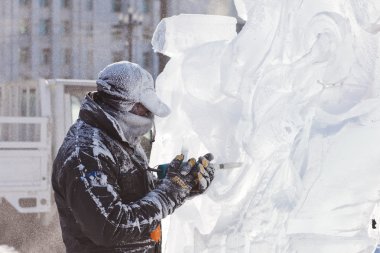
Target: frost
[(72, 155), (128, 83), (111, 190), (92, 195), (81, 167), (103, 179), (99, 148), (123, 81)]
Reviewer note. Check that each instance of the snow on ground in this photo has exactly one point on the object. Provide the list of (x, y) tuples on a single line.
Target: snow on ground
[(295, 97), (7, 249)]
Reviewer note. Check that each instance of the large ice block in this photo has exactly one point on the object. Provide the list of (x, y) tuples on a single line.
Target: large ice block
[(295, 97), (176, 34), (242, 7)]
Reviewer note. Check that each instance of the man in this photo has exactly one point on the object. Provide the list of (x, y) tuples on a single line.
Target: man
[(107, 199)]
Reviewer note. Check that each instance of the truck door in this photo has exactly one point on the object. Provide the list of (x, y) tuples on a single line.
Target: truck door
[(25, 141)]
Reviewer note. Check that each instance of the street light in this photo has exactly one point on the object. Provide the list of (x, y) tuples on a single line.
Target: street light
[(127, 22)]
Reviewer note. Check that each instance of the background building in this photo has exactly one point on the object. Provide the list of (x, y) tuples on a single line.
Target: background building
[(73, 39), (76, 39)]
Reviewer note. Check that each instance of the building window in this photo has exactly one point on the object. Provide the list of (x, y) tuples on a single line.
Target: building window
[(90, 64), (147, 35), (116, 34), (90, 57), (89, 29), (28, 107), (24, 55), (44, 3), (26, 3), (117, 56), (146, 6), (25, 27), (90, 5), (25, 76), (67, 56), (66, 4), (45, 27), (147, 60), (46, 56), (116, 5), (67, 28)]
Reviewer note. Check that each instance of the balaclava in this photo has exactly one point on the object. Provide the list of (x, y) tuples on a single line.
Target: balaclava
[(120, 86)]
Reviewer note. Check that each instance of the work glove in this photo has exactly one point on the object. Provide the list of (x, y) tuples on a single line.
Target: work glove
[(204, 174), (182, 176)]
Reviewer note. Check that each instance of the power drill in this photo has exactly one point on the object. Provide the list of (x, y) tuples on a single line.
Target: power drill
[(162, 169)]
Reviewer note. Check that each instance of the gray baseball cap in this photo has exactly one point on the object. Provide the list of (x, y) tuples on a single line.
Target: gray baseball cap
[(130, 83)]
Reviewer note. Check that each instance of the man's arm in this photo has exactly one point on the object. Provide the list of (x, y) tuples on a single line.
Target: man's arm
[(93, 196)]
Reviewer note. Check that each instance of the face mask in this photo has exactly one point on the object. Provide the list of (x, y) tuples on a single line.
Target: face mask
[(133, 125)]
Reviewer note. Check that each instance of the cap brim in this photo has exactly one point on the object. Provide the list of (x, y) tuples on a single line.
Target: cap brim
[(150, 100)]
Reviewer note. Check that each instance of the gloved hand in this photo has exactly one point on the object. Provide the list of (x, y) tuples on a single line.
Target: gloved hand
[(204, 174), (174, 187), (182, 176)]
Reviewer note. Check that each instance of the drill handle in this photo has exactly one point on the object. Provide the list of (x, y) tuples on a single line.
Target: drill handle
[(162, 170)]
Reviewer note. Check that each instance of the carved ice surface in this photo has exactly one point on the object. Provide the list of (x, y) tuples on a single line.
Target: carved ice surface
[(295, 97), (174, 35)]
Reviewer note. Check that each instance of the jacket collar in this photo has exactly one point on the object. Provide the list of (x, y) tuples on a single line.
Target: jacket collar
[(91, 113)]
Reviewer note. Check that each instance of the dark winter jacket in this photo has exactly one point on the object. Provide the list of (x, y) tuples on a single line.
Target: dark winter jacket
[(106, 198)]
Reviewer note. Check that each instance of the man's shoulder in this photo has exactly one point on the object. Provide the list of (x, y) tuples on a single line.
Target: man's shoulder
[(83, 146), (82, 139), (84, 136)]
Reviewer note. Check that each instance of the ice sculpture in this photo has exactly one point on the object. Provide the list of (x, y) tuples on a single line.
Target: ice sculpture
[(295, 97)]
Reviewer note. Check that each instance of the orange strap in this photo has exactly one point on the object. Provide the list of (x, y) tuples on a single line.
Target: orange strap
[(156, 234)]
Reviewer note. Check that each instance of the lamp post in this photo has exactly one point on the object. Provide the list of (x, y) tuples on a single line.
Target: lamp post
[(128, 22)]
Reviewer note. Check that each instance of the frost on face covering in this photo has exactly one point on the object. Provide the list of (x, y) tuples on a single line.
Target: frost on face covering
[(294, 96)]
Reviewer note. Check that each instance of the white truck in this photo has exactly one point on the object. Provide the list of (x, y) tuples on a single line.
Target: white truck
[(34, 118)]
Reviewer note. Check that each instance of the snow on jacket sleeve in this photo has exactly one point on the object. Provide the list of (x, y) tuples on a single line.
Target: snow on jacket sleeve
[(93, 196)]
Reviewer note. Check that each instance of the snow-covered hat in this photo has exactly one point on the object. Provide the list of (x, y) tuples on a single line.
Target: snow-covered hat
[(130, 83)]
